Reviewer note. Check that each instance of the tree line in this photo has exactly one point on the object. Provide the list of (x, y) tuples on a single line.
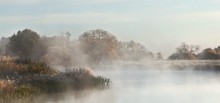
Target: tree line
[(92, 47), (190, 52)]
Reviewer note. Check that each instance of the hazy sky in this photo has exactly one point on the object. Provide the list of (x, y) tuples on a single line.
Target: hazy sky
[(160, 25)]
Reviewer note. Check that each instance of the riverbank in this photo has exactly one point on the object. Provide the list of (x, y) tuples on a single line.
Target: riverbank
[(166, 64), (24, 80)]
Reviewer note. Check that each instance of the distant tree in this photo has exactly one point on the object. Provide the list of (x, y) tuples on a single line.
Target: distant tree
[(217, 50), (193, 49), (185, 48), (185, 52), (209, 54), (133, 51), (98, 45), (68, 35), (159, 56), (149, 55), (24, 43)]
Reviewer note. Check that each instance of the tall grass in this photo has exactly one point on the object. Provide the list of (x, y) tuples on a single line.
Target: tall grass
[(25, 79)]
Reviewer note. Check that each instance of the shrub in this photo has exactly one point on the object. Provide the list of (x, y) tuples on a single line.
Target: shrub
[(25, 79)]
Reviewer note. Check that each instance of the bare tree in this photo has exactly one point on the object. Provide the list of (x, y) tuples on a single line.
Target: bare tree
[(68, 35), (185, 48), (185, 51)]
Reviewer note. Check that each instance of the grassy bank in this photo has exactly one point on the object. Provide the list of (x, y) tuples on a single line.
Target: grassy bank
[(23, 80)]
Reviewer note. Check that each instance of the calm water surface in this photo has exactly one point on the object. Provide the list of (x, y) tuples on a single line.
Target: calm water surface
[(154, 86)]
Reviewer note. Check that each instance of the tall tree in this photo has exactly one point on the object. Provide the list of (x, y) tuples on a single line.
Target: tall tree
[(23, 44), (99, 44)]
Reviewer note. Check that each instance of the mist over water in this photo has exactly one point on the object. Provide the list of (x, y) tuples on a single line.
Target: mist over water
[(153, 85), (136, 74), (78, 51)]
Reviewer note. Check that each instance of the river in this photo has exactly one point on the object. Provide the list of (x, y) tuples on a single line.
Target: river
[(153, 86)]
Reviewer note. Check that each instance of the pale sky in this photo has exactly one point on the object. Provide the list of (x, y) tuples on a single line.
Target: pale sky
[(160, 25)]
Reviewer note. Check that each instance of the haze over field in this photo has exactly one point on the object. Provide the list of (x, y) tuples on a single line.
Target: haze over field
[(159, 25)]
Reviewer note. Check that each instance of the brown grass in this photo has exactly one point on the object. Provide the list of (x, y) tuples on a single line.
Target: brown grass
[(27, 79), (2, 84)]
